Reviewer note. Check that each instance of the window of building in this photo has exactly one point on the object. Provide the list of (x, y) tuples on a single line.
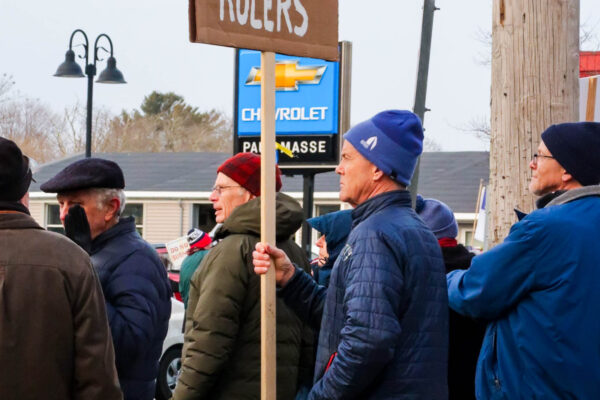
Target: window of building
[(468, 238), (326, 209), (203, 217), (135, 210), (53, 223)]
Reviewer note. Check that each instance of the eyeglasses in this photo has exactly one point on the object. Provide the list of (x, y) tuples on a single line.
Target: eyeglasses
[(219, 189), (536, 156)]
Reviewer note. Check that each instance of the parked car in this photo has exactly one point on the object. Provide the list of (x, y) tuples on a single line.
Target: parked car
[(170, 360)]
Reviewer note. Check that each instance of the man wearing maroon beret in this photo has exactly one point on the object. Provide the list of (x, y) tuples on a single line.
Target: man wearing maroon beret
[(221, 353)]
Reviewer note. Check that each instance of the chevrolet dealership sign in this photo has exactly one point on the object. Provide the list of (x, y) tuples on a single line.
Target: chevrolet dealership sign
[(307, 107)]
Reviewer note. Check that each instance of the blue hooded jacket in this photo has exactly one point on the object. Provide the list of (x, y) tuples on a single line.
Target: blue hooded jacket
[(540, 289), (138, 305), (384, 318), (336, 227)]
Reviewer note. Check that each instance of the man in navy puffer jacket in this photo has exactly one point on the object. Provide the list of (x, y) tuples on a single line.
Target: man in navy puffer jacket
[(383, 320), (133, 279)]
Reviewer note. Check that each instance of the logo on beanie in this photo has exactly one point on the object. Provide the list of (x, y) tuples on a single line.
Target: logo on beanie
[(370, 143)]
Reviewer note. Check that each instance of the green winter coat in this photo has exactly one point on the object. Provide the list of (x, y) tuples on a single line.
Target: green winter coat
[(188, 267), (221, 352)]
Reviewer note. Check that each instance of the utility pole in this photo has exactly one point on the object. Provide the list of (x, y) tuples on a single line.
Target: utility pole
[(429, 9), (535, 71)]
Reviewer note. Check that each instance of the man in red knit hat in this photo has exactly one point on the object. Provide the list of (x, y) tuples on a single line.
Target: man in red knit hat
[(221, 354)]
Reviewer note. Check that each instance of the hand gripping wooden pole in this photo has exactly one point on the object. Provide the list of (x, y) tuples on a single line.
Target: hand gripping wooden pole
[(267, 232)]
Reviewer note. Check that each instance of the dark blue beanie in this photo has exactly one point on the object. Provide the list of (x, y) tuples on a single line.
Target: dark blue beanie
[(392, 140), (438, 217), (576, 146)]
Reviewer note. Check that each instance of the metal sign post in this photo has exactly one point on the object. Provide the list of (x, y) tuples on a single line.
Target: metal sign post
[(308, 201)]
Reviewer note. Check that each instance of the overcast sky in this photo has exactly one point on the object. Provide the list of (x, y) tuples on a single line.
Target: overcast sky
[(152, 49)]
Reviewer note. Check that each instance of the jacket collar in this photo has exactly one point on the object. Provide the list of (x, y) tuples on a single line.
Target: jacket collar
[(245, 219), (543, 201), (17, 220), (575, 194), (13, 206), (376, 203), (562, 197), (125, 225)]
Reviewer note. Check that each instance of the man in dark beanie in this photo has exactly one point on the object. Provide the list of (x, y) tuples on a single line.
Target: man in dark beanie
[(221, 352), (540, 289), (54, 336), (134, 281), (383, 320)]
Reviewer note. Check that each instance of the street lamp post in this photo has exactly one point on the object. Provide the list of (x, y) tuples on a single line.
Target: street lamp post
[(70, 69)]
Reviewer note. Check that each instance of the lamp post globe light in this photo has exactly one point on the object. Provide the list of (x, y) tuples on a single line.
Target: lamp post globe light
[(71, 69)]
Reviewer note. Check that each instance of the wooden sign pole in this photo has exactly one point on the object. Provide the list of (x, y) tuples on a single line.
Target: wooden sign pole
[(267, 233)]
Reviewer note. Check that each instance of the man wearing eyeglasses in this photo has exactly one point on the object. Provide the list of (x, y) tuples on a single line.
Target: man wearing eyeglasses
[(540, 289), (221, 354)]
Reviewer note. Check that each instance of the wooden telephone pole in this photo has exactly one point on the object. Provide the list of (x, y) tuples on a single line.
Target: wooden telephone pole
[(535, 71)]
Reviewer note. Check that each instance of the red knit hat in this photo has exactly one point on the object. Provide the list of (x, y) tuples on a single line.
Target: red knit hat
[(198, 238), (244, 168)]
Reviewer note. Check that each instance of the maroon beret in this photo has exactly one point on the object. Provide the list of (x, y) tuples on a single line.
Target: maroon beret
[(244, 168)]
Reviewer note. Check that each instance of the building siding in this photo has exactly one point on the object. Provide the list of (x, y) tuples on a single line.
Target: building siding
[(163, 220), (37, 211), (166, 220)]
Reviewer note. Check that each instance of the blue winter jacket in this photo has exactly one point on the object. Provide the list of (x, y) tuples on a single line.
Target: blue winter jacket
[(138, 305), (541, 291), (384, 318)]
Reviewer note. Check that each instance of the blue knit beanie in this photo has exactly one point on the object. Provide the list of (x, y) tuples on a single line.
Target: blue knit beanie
[(392, 140), (438, 217), (576, 147)]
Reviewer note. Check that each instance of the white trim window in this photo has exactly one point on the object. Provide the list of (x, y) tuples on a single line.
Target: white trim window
[(52, 218)]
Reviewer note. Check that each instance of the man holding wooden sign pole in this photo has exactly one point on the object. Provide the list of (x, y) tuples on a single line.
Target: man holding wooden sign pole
[(221, 352), (383, 320), (306, 28)]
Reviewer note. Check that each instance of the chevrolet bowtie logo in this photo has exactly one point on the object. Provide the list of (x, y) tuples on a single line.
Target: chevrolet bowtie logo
[(288, 75)]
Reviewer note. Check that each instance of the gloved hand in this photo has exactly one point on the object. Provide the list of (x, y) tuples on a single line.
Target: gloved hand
[(77, 227)]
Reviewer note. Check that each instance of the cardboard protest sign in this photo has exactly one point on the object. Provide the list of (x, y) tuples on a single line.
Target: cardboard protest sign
[(177, 250), (306, 28)]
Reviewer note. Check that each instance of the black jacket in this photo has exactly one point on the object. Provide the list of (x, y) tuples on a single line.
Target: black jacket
[(466, 335)]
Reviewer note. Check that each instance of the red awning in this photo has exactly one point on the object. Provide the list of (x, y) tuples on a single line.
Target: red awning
[(589, 63)]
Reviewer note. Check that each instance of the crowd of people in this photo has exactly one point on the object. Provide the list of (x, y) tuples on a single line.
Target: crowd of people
[(392, 308)]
